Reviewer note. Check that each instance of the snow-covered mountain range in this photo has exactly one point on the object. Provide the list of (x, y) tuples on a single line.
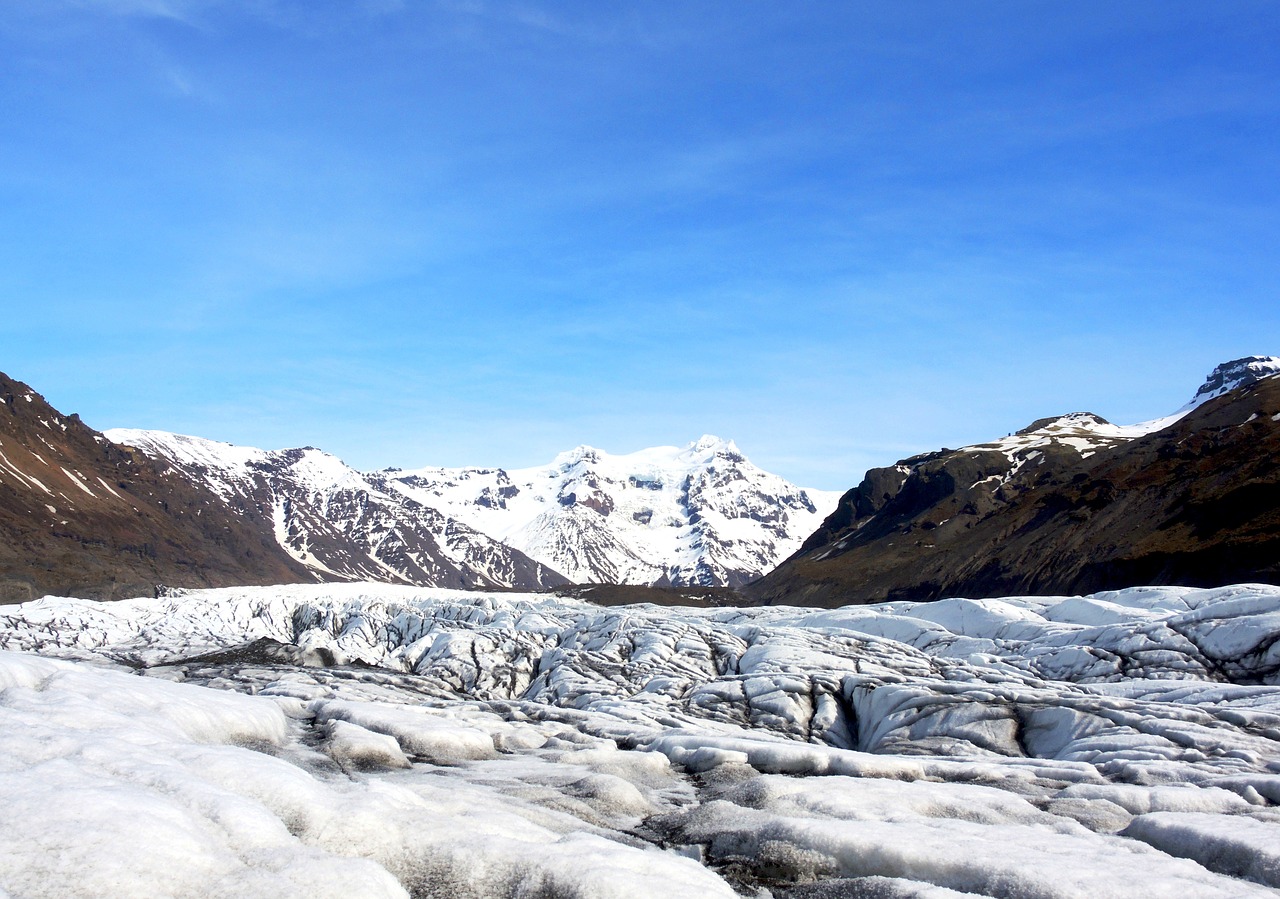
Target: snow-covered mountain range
[(1069, 503), (700, 514), (695, 515)]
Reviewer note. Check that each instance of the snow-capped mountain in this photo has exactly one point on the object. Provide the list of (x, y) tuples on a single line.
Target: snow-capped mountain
[(339, 523), (1086, 433), (1230, 375), (701, 514), (1068, 504)]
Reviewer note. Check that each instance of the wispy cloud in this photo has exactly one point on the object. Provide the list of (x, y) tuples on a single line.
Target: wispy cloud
[(178, 10), (290, 15)]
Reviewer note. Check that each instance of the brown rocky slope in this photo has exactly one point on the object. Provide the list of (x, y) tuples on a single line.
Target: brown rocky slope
[(1196, 503), (80, 516)]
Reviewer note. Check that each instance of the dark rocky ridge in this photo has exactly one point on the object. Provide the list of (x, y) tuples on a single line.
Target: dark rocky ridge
[(80, 516), (1195, 504)]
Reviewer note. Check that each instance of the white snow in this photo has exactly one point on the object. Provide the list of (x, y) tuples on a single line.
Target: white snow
[(76, 478), (116, 785), (361, 739), (12, 469), (1236, 845)]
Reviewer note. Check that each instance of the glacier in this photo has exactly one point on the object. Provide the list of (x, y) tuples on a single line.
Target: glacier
[(372, 740)]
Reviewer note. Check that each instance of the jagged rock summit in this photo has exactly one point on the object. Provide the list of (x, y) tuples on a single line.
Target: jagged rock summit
[(1236, 373), (1070, 504)]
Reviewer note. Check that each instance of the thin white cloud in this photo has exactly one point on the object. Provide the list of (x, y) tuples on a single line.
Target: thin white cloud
[(178, 10)]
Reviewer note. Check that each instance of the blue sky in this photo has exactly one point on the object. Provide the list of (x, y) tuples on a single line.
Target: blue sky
[(478, 232)]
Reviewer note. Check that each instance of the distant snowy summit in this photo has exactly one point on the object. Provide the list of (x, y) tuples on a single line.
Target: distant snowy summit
[(701, 514), (1070, 504)]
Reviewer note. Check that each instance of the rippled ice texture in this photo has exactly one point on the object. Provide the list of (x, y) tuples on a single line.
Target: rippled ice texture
[(362, 740)]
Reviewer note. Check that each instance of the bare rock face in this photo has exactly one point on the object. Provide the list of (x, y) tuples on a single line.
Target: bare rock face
[(1069, 505), (80, 516)]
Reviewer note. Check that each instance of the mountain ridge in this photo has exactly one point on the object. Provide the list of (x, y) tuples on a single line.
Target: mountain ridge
[(80, 515), (339, 524), (1070, 504), (698, 515)]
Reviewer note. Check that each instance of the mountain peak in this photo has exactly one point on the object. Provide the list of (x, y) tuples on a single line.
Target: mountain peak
[(1078, 420), (1236, 373), (581, 453), (709, 443)]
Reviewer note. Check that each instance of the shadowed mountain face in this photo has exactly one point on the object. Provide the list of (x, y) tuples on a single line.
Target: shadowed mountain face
[(1069, 505), (80, 516)]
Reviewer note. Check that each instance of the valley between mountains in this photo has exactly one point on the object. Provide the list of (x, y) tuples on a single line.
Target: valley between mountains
[(1043, 667), (1071, 503)]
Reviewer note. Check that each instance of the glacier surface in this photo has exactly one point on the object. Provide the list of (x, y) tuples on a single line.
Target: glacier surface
[(366, 740)]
